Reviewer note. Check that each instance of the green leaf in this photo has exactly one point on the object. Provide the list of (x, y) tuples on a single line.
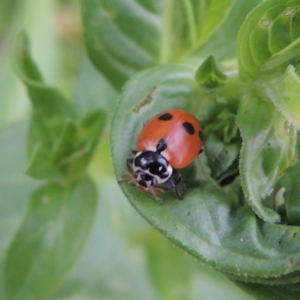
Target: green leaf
[(177, 270), (73, 150), (14, 102), (222, 145), (209, 75), (222, 44), (93, 91), (78, 143), (284, 91), (166, 31), (60, 145), (119, 232), (209, 223), (271, 292), (269, 37), (40, 166), (292, 196), (267, 150), (214, 13), (15, 186), (287, 191), (49, 240), (49, 106), (221, 157)]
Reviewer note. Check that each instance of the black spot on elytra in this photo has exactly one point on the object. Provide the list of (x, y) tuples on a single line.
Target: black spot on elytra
[(189, 128), (200, 134), (165, 117)]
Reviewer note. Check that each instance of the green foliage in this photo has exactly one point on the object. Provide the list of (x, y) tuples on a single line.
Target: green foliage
[(209, 223), (268, 149), (209, 75), (60, 146), (166, 31), (269, 38), (50, 239), (283, 91), (247, 179), (235, 66)]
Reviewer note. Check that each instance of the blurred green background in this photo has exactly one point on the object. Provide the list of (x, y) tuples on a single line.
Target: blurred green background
[(124, 257)]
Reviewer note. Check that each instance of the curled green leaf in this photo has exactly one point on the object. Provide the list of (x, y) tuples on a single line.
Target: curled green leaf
[(284, 91), (209, 75), (267, 150), (209, 223), (222, 146), (49, 106), (269, 37)]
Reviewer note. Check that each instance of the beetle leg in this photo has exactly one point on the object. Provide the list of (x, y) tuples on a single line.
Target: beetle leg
[(172, 186), (173, 182), (153, 191)]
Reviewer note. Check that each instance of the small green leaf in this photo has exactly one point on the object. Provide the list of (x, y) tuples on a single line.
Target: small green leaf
[(208, 74), (49, 240), (173, 29), (269, 37), (268, 145)]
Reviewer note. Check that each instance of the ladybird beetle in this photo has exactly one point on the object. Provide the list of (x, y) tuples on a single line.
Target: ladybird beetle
[(169, 141)]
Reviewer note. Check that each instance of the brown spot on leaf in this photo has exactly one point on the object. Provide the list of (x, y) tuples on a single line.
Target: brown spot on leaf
[(148, 99), (291, 261)]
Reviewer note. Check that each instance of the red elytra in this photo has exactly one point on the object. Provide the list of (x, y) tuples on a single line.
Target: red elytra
[(180, 130)]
